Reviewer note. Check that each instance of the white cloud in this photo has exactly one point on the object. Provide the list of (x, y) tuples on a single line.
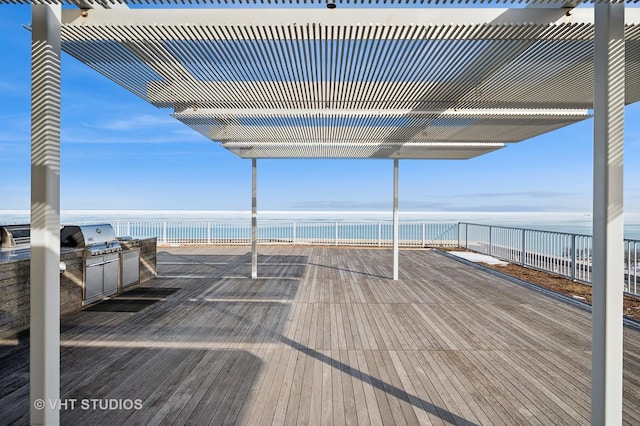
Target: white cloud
[(16, 136), (517, 194), (633, 139), (135, 122), (142, 129), (73, 137), (13, 88)]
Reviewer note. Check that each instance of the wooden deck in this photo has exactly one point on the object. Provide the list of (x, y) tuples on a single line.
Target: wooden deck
[(324, 337)]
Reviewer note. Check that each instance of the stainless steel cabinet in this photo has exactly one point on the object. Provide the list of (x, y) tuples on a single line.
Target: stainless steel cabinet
[(129, 267), (101, 276)]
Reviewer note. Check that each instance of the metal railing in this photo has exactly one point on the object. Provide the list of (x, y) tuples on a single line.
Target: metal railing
[(564, 254), (372, 234), (561, 253)]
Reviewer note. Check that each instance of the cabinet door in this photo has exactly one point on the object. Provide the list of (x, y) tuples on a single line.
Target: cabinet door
[(93, 280), (111, 270), (130, 266)]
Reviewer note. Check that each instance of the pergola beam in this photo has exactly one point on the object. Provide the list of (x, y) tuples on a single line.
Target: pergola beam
[(371, 144), (308, 149), (365, 17), (102, 4), (374, 96), (380, 135), (533, 113)]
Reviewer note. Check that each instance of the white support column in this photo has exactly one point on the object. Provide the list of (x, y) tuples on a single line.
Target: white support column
[(254, 218), (45, 215), (608, 251), (395, 219)]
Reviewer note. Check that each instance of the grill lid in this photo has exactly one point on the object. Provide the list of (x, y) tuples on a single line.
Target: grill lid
[(97, 239)]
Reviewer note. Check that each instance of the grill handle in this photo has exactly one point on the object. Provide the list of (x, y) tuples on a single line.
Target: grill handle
[(102, 263)]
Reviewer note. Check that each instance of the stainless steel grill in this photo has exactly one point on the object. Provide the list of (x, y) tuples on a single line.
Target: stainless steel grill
[(102, 260), (15, 236), (97, 240)]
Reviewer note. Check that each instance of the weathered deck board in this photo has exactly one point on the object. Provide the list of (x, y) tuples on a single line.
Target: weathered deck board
[(325, 337)]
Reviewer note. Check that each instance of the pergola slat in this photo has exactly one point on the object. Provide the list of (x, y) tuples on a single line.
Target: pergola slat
[(244, 77)]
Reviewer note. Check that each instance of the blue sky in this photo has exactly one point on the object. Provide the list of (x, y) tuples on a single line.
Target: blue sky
[(155, 162)]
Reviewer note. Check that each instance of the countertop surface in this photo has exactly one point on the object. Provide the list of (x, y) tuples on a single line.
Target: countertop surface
[(8, 255)]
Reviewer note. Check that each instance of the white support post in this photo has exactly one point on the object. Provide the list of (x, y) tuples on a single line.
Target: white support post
[(44, 371), (395, 219), (608, 255), (254, 218)]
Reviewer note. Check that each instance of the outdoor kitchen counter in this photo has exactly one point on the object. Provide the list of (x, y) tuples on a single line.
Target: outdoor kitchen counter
[(13, 255), (15, 288), (148, 260), (15, 283)]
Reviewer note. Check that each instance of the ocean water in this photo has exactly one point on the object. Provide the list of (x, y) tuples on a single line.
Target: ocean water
[(570, 222)]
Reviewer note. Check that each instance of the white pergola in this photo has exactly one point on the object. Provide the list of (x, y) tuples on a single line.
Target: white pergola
[(356, 81)]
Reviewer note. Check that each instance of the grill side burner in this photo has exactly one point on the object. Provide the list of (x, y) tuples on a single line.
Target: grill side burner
[(102, 262), (15, 242), (15, 236)]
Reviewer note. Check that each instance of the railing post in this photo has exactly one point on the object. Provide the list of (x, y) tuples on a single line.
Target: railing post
[(164, 232), (625, 267), (574, 257), (466, 236), (379, 234), (423, 239), (208, 233), (523, 253), (489, 240), (336, 242), (294, 234), (635, 266)]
